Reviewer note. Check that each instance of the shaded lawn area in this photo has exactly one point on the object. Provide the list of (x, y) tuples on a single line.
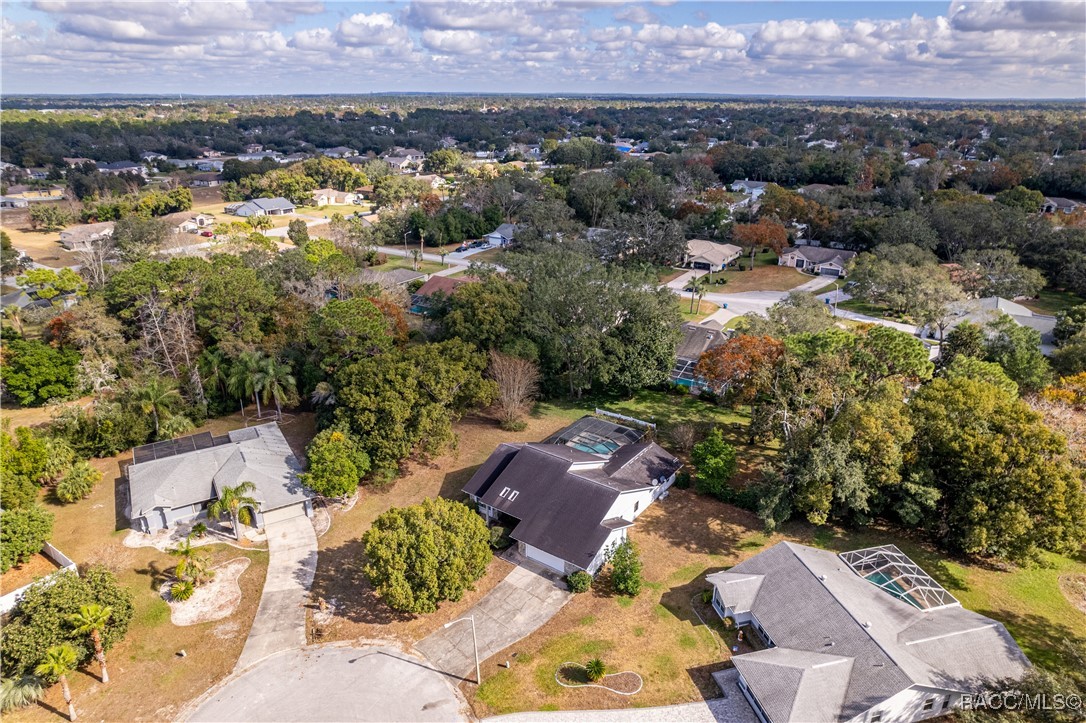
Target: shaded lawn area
[(702, 309), (406, 262), (1051, 302), (489, 256), (148, 681)]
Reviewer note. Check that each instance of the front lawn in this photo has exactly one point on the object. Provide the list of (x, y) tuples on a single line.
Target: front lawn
[(762, 278), (701, 310), (406, 262), (1052, 302), (489, 256)]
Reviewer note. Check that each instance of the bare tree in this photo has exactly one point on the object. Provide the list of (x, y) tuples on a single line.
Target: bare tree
[(95, 258), (518, 384)]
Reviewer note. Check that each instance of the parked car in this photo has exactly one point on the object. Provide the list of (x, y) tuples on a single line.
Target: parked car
[(460, 249), (478, 244), (208, 234)]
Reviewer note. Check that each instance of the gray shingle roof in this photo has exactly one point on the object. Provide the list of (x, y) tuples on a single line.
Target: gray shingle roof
[(259, 455), (820, 254), (273, 204), (698, 339), (810, 600)]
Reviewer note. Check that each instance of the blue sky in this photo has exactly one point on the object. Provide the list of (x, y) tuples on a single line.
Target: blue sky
[(999, 49)]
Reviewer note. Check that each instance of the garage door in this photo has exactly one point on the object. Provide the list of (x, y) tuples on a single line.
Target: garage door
[(555, 563), (284, 513), (829, 271)]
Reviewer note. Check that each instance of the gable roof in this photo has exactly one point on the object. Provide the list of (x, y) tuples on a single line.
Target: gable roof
[(800, 685), (750, 184), (273, 204), (820, 254), (259, 455), (811, 600), (444, 284), (698, 339), (506, 230)]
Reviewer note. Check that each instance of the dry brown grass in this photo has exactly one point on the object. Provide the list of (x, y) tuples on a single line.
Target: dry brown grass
[(762, 278), (148, 680), (657, 635), (37, 566), (359, 612)]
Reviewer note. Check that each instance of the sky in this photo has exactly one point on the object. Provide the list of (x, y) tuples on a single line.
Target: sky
[(997, 49)]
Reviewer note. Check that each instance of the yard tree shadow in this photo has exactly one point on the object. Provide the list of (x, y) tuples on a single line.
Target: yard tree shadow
[(702, 677), (1039, 636), (339, 580), (699, 523), (157, 574), (120, 497)]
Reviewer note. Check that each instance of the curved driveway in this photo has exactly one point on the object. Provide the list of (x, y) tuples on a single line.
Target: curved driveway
[(333, 683)]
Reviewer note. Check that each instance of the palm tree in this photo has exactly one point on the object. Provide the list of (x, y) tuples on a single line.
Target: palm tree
[(193, 562), (59, 662), (274, 381), (91, 620), (260, 223), (240, 383), (156, 396), (236, 502), (19, 692), (214, 369), (323, 393)]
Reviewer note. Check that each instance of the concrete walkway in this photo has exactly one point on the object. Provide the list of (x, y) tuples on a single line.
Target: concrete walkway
[(280, 619), (518, 605), (333, 683)]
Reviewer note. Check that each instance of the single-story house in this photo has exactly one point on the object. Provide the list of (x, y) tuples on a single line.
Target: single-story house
[(73, 162), (862, 636), (400, 163), (754, 189), (990, 308), (814, 188), (413, 154), (151, 156), (710, 256), (118, 167), (262, 207), (697, 339), (502, 236), (567, 503), (259, 155), (423, 300), (177, 480), (917, 162), (432, 180), (1055, 204), (12, 202), (78, 238), (205, 180), (392, 277), (822, 142), (817, 260), (332, 197), (339, 152)]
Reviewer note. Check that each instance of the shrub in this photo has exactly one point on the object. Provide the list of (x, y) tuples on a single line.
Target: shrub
[(706, 597), (336, 463), (199, 530), (499, 537), (626, 569), (19, 692), (182, 590), (682, 480), (23, 531), (40, 620), (513, 425), (78, 483), (595, 669), (579, 581)]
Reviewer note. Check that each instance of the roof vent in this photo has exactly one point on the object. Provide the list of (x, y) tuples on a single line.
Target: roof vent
[(822, 578), (867, 624)]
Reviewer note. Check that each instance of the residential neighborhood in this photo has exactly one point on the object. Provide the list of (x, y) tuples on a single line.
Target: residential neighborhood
[(543, 362)]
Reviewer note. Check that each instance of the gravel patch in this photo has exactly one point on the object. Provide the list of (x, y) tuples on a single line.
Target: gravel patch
[(213, 600)]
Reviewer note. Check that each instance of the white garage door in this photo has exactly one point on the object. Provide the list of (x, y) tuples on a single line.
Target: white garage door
[(284, 513), (555, 563)]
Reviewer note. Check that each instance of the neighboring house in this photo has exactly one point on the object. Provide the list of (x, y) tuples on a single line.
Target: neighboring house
[(435, 288), (73, 162), (203, 220), (118, 167), (79, 238), (1055, 204), (402, 164), (433, 181), (339, 152), (814, 188), (754, 189), (822, 142), (262, 207), (917, 162), (569, 500), (990, 308), (205, 180), (13, 202), (502, 236), (817, 260), (863, 636), (208, 165), (259, 155), (697, 339), (413, 154), (176, 480), (392, 277), (710, 256), (151, 156), (38, 174), (332, 197)]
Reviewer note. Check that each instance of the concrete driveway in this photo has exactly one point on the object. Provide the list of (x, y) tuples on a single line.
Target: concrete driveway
[(332, 683), (516, 607), (280, 619)]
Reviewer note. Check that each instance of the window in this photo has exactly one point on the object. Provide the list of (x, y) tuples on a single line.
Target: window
[(504, 492), (513, 495), (876, 717), (946, 702), (929, 704), (637, 505)]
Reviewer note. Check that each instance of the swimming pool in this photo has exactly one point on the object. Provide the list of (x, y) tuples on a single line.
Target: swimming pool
[(886, 583)]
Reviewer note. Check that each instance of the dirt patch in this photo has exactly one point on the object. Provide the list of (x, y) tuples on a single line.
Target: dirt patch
[(1073, 588), (37, 566), (213, 600)]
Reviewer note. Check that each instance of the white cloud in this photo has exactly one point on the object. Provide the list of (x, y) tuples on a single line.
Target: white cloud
[(455, 42)]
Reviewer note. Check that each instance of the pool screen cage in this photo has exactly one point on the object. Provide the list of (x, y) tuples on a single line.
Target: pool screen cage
[(891, 570)]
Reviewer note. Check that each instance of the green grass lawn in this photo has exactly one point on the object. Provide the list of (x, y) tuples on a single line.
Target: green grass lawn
[(490, 256), (702, 309), (403, 262), (1050, 301)]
